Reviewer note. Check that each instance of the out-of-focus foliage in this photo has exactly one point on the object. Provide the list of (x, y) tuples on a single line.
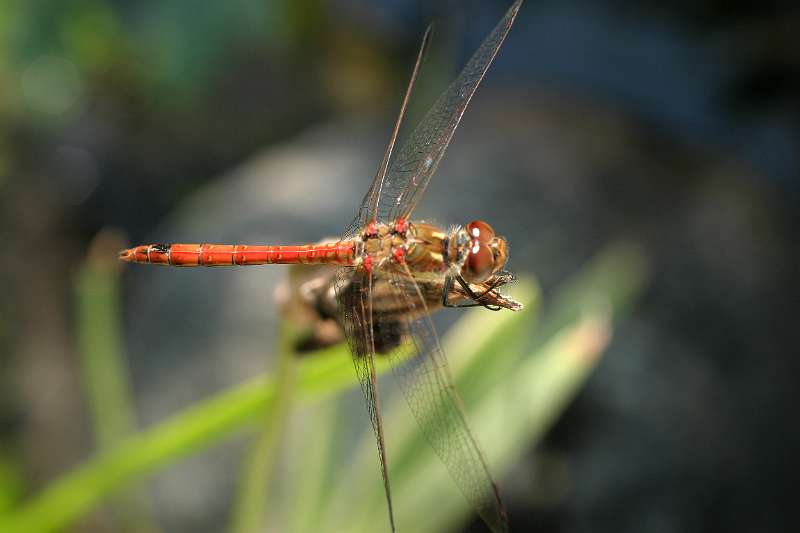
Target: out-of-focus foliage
[(52, 48), (671, 125), (511, 396)]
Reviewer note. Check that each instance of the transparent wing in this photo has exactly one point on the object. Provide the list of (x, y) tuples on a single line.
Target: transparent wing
[(419, 157), (398, 186), (432, 397), (354, 294), (369, 205)]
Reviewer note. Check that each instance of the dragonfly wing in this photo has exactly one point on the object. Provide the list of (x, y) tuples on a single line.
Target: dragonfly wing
[(429, 390), (369, 205), (420, 155), (354, 294)]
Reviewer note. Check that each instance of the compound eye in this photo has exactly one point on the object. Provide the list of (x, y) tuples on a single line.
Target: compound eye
[(480, 262), (480, 231)]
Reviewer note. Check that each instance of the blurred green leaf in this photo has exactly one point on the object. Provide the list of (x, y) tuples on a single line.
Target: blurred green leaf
[(339, 486), (510, 410), (93, 36), (11, 483), (68, 497), (105, 380), (258, 466)]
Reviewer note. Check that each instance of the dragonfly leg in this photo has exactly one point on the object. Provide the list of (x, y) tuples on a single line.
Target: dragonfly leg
[(448, 285), (476, 298)]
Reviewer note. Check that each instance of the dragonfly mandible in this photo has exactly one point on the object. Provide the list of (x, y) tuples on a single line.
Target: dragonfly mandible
[(393, 273)]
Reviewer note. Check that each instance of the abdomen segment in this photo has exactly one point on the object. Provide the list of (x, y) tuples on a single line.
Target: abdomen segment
[(336, 253)]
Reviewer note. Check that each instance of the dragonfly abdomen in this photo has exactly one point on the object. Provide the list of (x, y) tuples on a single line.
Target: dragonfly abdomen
[(190, 255)]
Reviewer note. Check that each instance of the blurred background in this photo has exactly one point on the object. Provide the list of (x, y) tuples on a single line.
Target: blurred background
[(671, 128)]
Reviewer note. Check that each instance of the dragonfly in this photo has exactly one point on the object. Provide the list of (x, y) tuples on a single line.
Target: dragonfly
[(393, 273)]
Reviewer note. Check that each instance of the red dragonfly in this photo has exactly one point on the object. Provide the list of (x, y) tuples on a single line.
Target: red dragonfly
[(393, 272)]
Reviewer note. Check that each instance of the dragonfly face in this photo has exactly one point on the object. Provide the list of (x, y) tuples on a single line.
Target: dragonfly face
[(473, 251), (486, 253)]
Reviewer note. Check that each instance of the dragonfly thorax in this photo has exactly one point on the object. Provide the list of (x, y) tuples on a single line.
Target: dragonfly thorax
[(473, 252), (423, 247), (380, 243)]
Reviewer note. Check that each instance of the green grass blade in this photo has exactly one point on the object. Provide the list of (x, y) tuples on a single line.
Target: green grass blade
[(195, 428), (11, 483), (249, 515), (528, 391), (513, 413), (105, 381)]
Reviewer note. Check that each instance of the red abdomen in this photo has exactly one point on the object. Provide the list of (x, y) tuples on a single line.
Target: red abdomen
[(337, 253)]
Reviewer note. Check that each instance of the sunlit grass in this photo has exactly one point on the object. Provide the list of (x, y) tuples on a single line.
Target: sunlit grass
[(515, 371), (105, 380), (255, 479), (11, 484), (191, 430)]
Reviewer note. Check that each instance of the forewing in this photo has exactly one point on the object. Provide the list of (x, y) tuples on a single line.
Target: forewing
[(367, 212), (428, 387), (354, 294), (420, 155)]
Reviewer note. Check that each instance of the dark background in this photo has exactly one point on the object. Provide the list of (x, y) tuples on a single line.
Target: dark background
[(674, 126)]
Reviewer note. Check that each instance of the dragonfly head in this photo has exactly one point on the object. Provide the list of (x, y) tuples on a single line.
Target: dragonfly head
[(487, 253)]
